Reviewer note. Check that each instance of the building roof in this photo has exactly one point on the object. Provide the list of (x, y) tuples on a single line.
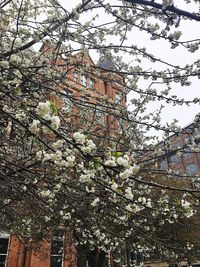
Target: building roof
[(107, 63)]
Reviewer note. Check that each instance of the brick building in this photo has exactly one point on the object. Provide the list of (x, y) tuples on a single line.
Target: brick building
[(101, 89), (180, 158), (181, 153)]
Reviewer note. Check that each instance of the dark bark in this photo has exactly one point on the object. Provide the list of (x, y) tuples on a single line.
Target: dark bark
[(96, 258), (92, 258), (101, 258), (44, 34), (171, 8)]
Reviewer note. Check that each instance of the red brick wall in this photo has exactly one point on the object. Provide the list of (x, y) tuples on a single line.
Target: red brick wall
[(18, 255)]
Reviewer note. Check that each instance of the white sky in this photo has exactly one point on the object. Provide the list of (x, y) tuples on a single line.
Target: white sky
[(160, 48)]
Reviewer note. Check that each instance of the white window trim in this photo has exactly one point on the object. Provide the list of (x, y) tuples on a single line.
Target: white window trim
[(84, 80), (75, 77), (4, 235), (118, 97), (92, 83)]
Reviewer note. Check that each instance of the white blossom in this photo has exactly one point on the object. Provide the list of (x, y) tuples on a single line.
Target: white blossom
[(128, 193), (85, 178), (127, 173), (20, 116), (111, 162), (122, 162), (79, 137), (34, 127), (15, 59), (46, 130), (47, 218), (46, 157), (129, 208), (39, 155), (44, 109), (55, 122), (45, 193), (4, 64), (114, 186), (67, 216), (58, 144), (95, 202), (167, 3)]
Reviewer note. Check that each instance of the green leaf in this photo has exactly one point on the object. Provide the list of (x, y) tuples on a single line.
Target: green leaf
[(116, 154), (18, 91), (54, 107), (96, 162)]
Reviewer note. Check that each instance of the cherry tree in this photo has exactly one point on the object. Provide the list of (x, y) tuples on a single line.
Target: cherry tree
[(106, 187)]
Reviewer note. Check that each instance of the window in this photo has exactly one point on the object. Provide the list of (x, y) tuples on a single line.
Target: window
[(118, 97), (191, 169), (76, 76), (83, 80), (163, 164), (84, 258), (67, 103), (92, 83), (4, 241), (175, 159), (134, 257), (99, 115), (176, 145), (57, 249), (187, 153)]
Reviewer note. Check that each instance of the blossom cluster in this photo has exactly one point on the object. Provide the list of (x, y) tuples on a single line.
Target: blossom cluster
[(86, 146), (44, 111)]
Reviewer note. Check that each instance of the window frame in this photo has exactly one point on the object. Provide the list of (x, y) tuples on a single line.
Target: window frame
[(164, 164), (66, 100), (99, 115), (75, 77), (92, 83), (187, 154), (57, 238), (84, 80), (175, 159)]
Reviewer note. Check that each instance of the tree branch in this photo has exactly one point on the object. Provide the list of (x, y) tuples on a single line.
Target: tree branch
[(172, 8), (43, 34)]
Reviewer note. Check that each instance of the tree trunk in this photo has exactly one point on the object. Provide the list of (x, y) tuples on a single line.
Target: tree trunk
[(96, 258), (101, 258), (92, 258)]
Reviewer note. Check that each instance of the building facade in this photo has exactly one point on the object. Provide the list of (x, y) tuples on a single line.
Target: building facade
[(101, 91), (181, 153)]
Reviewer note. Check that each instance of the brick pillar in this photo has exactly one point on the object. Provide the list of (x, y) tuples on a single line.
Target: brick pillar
[(70, 251), (38, 255), (110, 118), (109, 90), (15, 252)]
